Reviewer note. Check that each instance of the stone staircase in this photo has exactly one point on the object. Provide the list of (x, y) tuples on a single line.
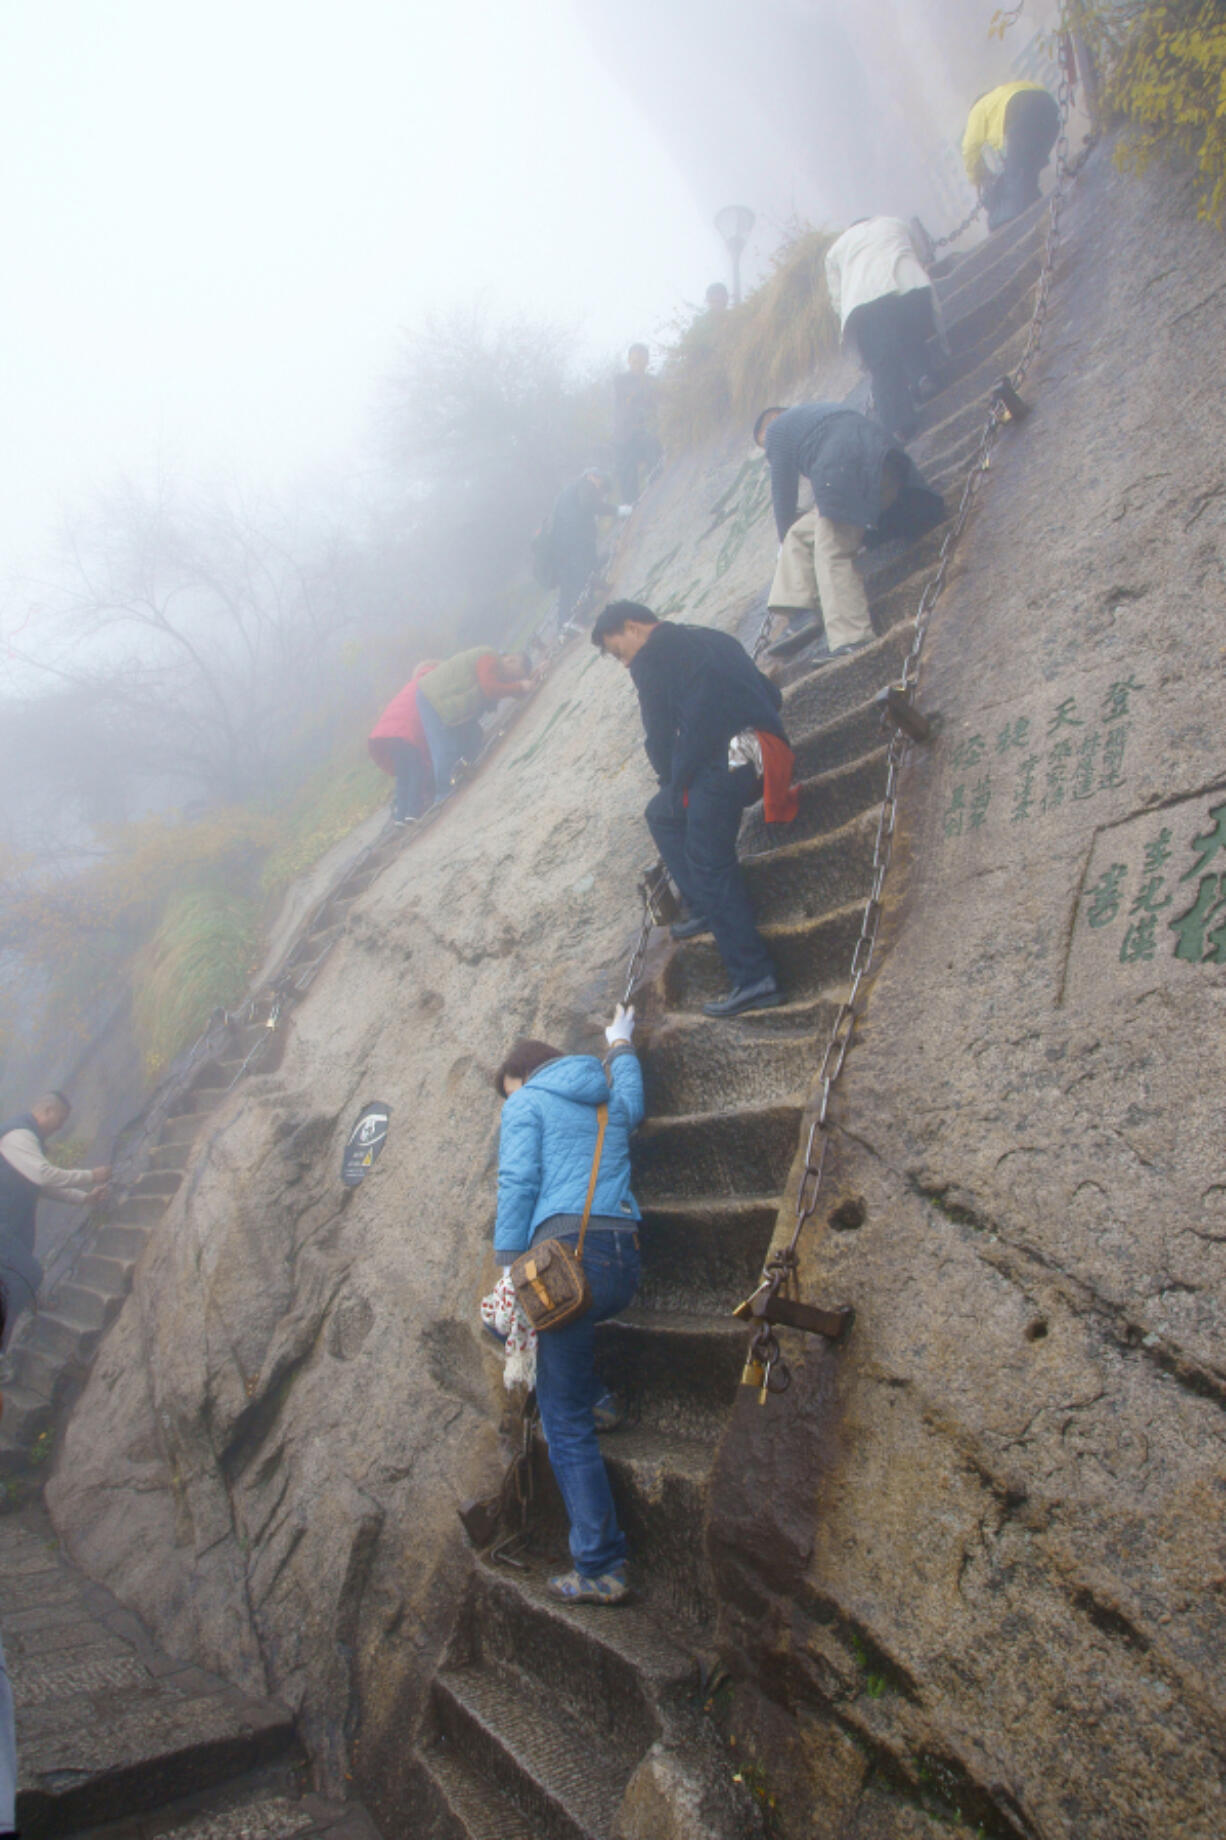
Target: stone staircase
[(540, 1715), (53, 1350), (117, 1738)]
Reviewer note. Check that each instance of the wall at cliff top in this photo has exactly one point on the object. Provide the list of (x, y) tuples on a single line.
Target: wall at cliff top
[(984, 1533), (988, 1532)]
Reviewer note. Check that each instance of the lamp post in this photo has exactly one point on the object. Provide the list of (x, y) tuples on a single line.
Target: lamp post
[(734, 224)]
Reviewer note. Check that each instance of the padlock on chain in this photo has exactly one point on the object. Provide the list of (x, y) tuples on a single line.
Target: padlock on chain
[(753, 1373)]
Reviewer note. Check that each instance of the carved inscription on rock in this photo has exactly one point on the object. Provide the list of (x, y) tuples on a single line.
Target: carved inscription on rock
[(1152, 904)]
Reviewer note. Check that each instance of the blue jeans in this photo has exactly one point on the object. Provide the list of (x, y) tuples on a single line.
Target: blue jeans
[(448, 746), (698, 844), (566, 1391)]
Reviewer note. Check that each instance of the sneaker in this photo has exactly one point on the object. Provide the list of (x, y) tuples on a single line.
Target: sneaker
[(608, 1412), (574, 1588), (765, 994), (691, 928), (844, 651)]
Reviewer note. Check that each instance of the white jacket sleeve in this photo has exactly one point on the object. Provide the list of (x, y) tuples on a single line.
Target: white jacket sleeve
[(23, 1151)]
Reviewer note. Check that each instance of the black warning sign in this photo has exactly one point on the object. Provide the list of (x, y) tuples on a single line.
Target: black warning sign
[(366, 1141)]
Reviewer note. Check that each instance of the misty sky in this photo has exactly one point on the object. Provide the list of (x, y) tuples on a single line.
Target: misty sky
[(217, 218)]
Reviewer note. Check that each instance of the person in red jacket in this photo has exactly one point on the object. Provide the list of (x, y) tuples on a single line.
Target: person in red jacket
[(398, 744)]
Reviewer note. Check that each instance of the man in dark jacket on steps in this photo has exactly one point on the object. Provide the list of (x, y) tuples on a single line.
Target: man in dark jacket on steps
[(25, 1174), (866, 490), (714, 738)]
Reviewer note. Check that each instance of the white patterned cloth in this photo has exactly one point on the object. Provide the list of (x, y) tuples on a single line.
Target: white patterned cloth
[(502, 1314)]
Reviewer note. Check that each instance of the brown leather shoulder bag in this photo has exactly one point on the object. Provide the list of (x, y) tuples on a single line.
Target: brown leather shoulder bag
[(550, 1282)]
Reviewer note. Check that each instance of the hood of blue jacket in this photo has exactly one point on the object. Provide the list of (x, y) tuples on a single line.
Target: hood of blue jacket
[(575, 1076)]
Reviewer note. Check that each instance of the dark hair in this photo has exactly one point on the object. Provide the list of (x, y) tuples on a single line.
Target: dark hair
[(776, 409), (524, 1059), (614, 617)]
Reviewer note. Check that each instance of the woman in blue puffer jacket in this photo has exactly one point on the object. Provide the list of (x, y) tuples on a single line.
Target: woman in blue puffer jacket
[(547, 1143)]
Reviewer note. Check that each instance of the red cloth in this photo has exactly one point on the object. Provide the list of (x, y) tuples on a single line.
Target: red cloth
[(400, 721), (780, 799)]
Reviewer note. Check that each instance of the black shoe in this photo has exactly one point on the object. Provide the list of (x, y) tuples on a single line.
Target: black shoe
[(765, 994), (691, 928), (853, 645), (796, 640)]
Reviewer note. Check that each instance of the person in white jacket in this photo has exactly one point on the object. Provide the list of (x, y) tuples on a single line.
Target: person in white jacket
[(888, 312), (25, 1174)]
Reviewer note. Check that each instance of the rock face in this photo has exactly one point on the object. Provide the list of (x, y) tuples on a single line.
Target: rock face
[(978, 1558), (964, 1569)]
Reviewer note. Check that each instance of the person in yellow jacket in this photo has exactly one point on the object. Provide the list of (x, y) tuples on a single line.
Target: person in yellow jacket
[(1010, 133)]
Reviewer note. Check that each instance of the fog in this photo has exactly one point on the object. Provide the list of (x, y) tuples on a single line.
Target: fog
[(219, 218)]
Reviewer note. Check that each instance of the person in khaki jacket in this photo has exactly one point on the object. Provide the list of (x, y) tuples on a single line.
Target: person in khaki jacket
[(25, 1174)]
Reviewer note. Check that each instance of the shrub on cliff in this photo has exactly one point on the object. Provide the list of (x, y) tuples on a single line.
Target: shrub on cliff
[(726, 366), (1164, 70)]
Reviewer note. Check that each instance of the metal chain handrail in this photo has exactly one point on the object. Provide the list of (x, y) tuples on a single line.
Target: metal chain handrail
[(765, 1366)]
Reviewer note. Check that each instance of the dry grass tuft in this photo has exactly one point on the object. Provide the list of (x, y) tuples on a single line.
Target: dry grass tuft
[(727, 366)]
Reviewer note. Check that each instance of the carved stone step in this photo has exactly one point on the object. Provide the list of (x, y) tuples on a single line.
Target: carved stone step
[(743, 1152), (816, 875), (524, 1740), (704, 1254), (40, 1372), (183, 1127), (678, 1373), (976, 274), (159, 1184), (103, 1273), (692, 1064), (819, 697), (169, 1159), (810, 957), (826, 803), (614, 1670), (120, 1242), (63, 1336), (837, 743), (88, 1303), (26, 1416), (137, 1211), (452, 1801)]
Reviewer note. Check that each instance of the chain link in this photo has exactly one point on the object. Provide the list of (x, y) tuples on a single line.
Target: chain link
[(780, 1272)]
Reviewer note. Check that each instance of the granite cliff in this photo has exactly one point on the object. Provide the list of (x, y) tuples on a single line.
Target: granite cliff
[(966, 1573)]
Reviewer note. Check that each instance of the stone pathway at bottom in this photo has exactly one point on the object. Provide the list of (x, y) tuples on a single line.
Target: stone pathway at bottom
[(116, 1738)]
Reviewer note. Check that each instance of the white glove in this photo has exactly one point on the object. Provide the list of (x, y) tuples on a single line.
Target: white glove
[(622, 1026)]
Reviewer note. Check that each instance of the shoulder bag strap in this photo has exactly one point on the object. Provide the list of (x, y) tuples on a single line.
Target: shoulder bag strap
[(602, 1116)]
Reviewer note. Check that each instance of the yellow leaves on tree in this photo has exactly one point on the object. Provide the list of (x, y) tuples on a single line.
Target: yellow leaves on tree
[(1166, 76)]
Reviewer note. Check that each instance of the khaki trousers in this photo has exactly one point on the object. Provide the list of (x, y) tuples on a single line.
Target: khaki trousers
[(817, 569)]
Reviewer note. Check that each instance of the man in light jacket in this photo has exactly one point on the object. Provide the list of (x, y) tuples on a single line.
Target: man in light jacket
[(25, 1174), (887, 309)]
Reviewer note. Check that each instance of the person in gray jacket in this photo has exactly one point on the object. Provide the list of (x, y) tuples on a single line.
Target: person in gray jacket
[(866, 490)]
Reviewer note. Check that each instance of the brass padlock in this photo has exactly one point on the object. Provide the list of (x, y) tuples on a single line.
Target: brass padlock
[(753, 1373)]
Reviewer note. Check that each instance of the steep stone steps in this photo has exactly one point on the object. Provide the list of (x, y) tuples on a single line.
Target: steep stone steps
[(677, 1370), (455, 1802), (112, 1729), (525, 1737), (978, 273)]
